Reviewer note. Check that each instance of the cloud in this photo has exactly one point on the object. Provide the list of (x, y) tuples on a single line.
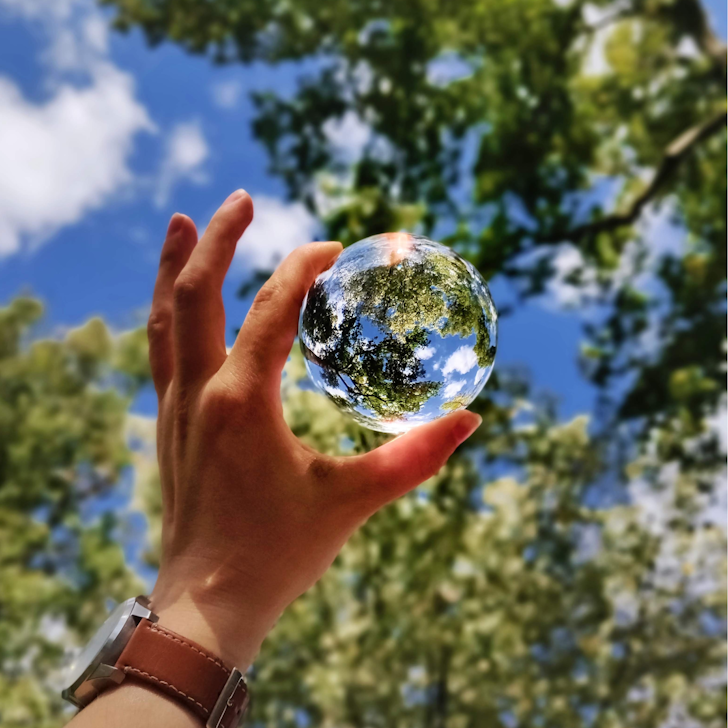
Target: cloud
[(462, 360), (424, 352), (453, 388), (226, 94), (336, 391), (277, 229), (65, 157), (349, 135), (574, 282), (68, 154), (186, 150)]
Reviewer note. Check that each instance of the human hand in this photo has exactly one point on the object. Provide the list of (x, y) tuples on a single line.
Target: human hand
[(252, 517)]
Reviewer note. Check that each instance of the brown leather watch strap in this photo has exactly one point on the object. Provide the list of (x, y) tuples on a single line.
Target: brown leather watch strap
[(185, 671)]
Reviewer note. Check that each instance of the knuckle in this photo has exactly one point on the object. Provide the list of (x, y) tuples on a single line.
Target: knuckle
[(217, 397), (169, 257), (219, 405), (223, 406), (188, 289), (266, 296), (159, 324)]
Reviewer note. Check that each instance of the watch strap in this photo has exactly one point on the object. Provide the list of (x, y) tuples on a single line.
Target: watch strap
[(187, 672)]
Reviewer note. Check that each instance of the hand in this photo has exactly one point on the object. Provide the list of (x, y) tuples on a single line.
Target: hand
[(252, 517)]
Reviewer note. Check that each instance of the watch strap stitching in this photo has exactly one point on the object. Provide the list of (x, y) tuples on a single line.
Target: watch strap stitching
[(164, 633), (181, 668), (129, 669)]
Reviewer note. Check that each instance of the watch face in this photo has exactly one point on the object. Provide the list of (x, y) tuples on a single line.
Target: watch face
[(91, 655)]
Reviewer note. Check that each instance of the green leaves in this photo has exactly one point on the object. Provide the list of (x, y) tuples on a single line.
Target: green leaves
[(62, 449)]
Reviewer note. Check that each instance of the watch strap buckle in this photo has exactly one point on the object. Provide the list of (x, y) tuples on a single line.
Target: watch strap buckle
[(231, 703)]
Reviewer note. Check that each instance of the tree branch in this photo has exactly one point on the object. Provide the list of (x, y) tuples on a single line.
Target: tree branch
[(673, 156)]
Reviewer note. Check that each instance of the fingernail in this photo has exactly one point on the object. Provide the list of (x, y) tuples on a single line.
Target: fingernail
[(175, 224), (234, 197), (467, 426)]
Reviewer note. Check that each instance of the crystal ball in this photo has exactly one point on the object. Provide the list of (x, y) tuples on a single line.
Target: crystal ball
[(399, 331)]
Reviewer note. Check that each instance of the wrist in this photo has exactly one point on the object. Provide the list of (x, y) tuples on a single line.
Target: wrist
[(234, 634)]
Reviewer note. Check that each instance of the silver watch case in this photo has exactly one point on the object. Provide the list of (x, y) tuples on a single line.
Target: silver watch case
[(93, 670)]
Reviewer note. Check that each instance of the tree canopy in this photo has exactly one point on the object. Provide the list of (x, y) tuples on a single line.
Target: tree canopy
[(63, 454), (487, 126)]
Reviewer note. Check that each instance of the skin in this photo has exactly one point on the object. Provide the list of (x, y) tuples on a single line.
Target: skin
[(252, 517)]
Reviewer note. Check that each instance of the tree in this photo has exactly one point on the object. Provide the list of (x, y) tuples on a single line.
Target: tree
[(485, 126), (505, 600), (457, 605), (63, 456)]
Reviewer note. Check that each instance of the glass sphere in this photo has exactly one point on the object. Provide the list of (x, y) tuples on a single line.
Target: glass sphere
[(398, 332)]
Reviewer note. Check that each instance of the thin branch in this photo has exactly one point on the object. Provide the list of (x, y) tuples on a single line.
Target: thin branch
[(353, 387), (674, 154)]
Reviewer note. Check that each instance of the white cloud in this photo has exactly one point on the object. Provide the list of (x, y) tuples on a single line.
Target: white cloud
[(453, 388), (462, 360), (424, 352), (277, 229), (226, 94), (336, 391), (349, 135), (67, 155), (186, 151), (568, 261)]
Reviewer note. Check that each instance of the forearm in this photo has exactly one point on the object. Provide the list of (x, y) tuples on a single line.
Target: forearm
[(132, 705)]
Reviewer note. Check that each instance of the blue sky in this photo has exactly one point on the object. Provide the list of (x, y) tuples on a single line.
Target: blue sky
[(102, 139)]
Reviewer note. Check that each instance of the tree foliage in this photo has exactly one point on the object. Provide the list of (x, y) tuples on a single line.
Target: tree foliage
[(486, 126), (63, 457)]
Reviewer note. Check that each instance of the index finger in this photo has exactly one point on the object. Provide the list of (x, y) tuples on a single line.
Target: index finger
[(267, 335)]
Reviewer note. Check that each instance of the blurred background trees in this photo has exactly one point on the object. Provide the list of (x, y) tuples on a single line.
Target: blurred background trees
[(554, 574), (63, 456)]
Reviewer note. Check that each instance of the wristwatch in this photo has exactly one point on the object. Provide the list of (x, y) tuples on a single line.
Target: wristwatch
[(132, 645)]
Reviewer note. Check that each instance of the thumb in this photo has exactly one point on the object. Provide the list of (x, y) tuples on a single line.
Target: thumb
[(402, 464)]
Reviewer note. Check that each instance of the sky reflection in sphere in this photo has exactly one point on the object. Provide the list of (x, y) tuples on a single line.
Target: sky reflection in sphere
[(399, 331)]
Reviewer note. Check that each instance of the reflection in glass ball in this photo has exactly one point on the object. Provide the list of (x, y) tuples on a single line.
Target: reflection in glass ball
[(399, 331)]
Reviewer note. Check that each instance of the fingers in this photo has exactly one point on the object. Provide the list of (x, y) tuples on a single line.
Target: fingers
[(199, 315), (270, 327), (178, 245), (398, 466)]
